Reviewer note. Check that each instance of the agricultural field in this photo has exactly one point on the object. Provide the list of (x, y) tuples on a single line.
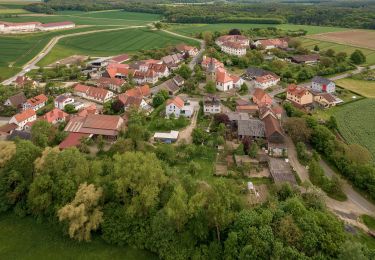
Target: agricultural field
[(363, 87), (324, 45), (111, 43), (192, 29), (16, 50), (24, 238), (356, 123), (103, 18), (357, 38)]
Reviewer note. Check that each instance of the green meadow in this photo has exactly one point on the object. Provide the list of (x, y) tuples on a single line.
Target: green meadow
[(25, 238), (114, 42)]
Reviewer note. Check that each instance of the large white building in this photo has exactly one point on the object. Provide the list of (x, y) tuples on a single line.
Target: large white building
[(23, 118), (178, 107), (233, 44), (7, 27)]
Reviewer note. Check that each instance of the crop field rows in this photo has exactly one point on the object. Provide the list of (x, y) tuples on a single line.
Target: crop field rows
[(111, 43), (114, 18), (356, 123), (324, 45)]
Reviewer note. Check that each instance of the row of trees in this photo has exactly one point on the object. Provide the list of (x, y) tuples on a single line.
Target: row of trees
[(352, 161), (145, 200)]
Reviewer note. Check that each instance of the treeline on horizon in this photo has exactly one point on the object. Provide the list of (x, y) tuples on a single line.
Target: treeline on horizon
[(359, 14)]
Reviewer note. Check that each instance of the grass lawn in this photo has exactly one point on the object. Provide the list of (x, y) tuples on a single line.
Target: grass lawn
[(363, 87), (192, 29), (369, 221), (24, 238), (111, 43), (356, 123), (324, 45)]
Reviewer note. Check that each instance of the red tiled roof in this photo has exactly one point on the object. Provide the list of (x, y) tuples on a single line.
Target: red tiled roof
[(184, 47), (274, 42), (81, 88), (158, 67), (54, 115), (207, 60), (102, 122), (266, 78), (247, 108), (120, 58), (272, 125), (90, 110), (295, 90), (72, 140), (37, 100), (105, 82), (259, 93), (141, 91), (24, 115), (177, 101), (222, 76)]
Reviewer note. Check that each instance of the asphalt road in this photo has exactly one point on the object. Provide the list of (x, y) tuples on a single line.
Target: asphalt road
[(32, 63)]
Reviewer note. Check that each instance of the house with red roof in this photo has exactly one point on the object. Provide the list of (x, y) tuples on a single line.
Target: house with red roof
[(105, 125), (299, 96), (208, 61), (73, 140), (114, 84), (266, 81), (233, 44), (55, 116), (224, 81), (269, 44), (22, 81), (62, 100), (35, 103), (117, 70), (187, 49), (261, 98), (90, 110), (95, 94), (178, 107), (135, 97), (23, 118)]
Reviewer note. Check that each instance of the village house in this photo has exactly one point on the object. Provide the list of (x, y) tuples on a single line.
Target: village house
[(269, 44), (56, 26), (233, 44), (211, 105), (16, 100), (274, 110), (299, 96), (118, 71), (172, 86), (55, 116), (184, 49), (35, 103), (135, 97), (305, 59), (173, 61), (325, 100), (99, 95), (89, 110), (113, 84), (149, 76), (107, 126), (266, 81), (178, 107), (22, 81), (208, 62), (23, 118), (63, 100), (274, 136), (320, 84), (261, 98), (160, 69)]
